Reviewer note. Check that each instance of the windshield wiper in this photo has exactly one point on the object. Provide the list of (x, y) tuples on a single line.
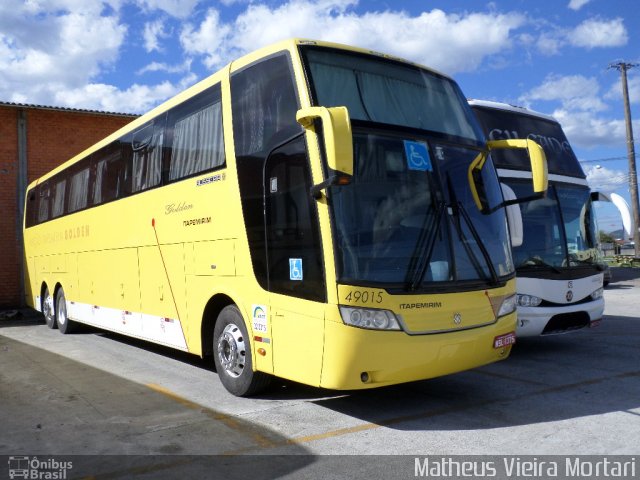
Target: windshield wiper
[(538, 262), (479, 243), (424, 249)]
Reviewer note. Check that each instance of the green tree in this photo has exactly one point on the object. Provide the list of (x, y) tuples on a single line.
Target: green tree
[(605, 237)]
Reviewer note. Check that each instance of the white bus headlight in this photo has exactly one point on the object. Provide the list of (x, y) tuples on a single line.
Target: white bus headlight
[(597, 294), (369, 318), (508, 306), (528, 301)]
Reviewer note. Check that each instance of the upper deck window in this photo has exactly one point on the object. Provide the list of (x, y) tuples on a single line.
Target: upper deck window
[(380, 90)]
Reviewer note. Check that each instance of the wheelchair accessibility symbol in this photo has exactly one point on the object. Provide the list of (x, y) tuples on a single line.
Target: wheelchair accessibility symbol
[(417, 155), (295, 269)]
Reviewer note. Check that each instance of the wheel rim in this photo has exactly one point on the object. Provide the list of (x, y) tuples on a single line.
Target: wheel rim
[(231, 350), (62, 311), (47, 307)]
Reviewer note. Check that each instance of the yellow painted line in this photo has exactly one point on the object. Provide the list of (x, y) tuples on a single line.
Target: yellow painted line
[(266, 443), (227, 420)]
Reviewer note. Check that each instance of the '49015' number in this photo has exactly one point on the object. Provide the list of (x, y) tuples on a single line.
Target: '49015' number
[(363, 296)]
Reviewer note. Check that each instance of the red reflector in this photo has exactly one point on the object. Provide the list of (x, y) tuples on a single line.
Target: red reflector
[(505, 340), (595, 323)]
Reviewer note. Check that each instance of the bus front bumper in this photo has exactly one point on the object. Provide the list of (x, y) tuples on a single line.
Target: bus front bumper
[(535, 321), (357, 358)]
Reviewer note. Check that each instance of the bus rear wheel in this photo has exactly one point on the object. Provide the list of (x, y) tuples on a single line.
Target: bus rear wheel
[(232, 355), (48, 310), (64, 324)]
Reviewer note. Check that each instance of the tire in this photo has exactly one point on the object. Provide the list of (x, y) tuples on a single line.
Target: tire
[(48, 310), (64, 324), (232, 355)]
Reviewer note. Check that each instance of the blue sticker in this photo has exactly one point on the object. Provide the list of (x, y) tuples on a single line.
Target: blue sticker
[(417, 156), (295, 269)]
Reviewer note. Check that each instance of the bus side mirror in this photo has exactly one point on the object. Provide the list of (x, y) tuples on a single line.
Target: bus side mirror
[(536, 156), (538, 171), (338, 142), (514, 216)]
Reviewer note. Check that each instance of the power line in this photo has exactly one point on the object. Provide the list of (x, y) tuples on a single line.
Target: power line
[(608, 159)]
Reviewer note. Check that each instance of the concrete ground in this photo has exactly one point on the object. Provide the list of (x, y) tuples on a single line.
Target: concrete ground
[(98, 396)]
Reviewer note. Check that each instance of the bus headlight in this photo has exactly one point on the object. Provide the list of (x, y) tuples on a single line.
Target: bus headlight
[(528, 301), (508, 306), (597, 294), (369, 318)]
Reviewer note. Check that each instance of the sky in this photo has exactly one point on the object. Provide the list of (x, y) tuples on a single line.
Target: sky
[(548, 55)]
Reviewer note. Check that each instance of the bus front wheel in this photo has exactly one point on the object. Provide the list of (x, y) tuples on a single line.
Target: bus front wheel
[(232, 355), (47, 309), (64, 324)]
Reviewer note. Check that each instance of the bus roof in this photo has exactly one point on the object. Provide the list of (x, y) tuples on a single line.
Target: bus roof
[(511, 108)]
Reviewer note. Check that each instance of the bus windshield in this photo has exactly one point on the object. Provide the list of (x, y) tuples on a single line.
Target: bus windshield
[(560, 229), (407, 219)]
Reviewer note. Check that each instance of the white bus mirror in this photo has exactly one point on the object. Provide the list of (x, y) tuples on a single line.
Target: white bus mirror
[(514, 216)]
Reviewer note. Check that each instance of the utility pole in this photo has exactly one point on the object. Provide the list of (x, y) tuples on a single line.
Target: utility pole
[(633, 175)]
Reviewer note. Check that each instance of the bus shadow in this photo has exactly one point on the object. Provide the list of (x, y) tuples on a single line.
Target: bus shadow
[(545, 379), (622, 274), (124, 429)]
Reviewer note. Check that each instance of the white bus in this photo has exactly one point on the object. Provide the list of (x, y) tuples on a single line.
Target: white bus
[(555, 249)]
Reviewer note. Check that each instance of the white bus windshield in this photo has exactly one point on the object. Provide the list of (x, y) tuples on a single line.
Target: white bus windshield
[(560, 229)]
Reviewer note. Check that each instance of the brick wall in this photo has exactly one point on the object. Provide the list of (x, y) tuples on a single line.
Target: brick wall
[(9, 261), (53, 136)]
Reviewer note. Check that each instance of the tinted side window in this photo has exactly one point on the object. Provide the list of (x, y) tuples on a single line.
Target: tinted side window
[(293, 236), (31, 209), (264, 104), (108, 175), (79, 187), (142, 152), (43, 203), (195, 135), (57, 200)]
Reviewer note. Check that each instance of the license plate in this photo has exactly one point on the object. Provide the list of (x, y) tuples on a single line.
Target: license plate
[(504, 340)]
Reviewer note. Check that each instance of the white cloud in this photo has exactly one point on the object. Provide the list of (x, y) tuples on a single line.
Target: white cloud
[(153, 32), (68, 49), (577, 4), (588, 130), (163, 67), (176, 8), (594, 33), (137, 98), (449, 42), (574, 92), (605, 180), (51, 52)]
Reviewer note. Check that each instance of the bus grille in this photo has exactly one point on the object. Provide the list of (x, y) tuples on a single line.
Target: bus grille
[(565, 322)]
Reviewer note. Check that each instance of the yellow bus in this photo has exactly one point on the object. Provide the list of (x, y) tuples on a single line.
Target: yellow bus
[(315, 212)]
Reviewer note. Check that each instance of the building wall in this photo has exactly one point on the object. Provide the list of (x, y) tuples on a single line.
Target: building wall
[(53, 136), (9, 262)]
